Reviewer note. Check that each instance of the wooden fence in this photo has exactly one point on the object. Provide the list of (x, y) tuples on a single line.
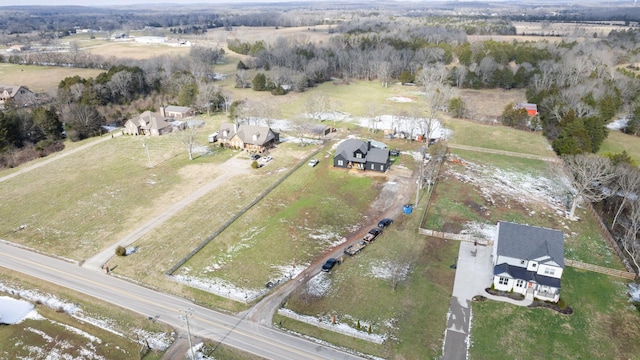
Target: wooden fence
[(599, 269), (604, 230)]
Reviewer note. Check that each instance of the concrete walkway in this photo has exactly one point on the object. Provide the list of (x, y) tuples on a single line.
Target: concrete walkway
[(474, 273)]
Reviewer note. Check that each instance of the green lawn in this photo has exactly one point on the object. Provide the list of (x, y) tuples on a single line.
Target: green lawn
[(295, 223), (603, 325), (53, 206), (498, 137), (412, 317), (166, 245), (618, 141)]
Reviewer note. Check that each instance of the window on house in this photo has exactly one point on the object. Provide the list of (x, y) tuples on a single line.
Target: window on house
[(359, 155), (340, 163), (550, 271), (503, 281), (373, 167), (520, 283)]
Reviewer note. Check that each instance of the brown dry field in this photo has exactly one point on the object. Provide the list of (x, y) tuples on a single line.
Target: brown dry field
[(40, 79), (135, 51), (313, 34), (488, 104)]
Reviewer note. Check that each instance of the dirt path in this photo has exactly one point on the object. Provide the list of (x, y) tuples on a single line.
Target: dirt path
[(230, 168), (398, 191)]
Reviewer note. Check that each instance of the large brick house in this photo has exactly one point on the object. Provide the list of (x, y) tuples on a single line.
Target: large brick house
[(247, 137)]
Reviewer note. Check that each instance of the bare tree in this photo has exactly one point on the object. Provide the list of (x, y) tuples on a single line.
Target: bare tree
[(227, 99), (317, 104), (628, 186), (630, 242), (266, 111), (243, 79), (300, 126), (207, 92), (384, 72), (188, 139), (590, 175)]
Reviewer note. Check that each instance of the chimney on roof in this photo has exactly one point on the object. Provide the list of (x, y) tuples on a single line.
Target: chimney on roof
[(255, 137), (368, 145), (162, 112), (235, 127)]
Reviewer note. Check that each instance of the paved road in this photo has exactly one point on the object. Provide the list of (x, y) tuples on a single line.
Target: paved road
[(229, 330)]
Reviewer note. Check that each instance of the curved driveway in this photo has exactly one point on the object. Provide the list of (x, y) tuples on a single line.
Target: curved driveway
[(228, 330)]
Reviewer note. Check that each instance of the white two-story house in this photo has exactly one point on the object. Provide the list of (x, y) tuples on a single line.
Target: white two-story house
[(528, 260)]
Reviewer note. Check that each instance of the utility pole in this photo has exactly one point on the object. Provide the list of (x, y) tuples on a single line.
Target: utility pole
[(187, 313)]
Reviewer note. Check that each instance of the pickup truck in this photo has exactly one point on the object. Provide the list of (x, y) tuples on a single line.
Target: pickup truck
[(355, 248), (372, 234)]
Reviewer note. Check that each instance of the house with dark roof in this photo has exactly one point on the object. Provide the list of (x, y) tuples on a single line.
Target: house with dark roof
[(359, 154), (148, 123), (248, 137), (528, 260)]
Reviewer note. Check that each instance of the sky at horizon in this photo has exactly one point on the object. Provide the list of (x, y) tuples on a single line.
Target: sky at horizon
[(102, 3)]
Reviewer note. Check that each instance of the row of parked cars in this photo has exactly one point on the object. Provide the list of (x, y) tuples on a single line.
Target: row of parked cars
[(357, 247)]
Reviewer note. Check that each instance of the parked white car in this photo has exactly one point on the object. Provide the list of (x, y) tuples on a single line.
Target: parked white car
[(313, 162)]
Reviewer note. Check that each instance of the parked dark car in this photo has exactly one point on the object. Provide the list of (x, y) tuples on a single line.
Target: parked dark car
[(255, 156), (394, 152), (329, 264), (385, 222), (375, 231)]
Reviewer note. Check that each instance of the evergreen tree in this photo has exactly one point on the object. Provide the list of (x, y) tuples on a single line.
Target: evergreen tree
[(259, 82)]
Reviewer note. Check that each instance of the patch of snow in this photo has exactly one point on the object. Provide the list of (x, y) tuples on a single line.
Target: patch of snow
[(495, 184), (618, 124), (634, 292), (221, 287), (79, 332), (387, 269), (44, 335), (481, 230), (400, 99), (337, 327), (319, 285)]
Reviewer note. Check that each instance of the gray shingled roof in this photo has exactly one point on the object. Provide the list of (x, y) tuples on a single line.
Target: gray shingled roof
[(349, 146), (530, 242), (378, 155), (250, 134)]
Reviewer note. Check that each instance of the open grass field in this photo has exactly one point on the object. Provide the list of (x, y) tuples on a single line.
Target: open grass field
[(413, 317), (487, 105), (618, 141), (498, 137), (58, 332), (132, 50), (113, 194), (40, 79), (604, 325), (164, 247)]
